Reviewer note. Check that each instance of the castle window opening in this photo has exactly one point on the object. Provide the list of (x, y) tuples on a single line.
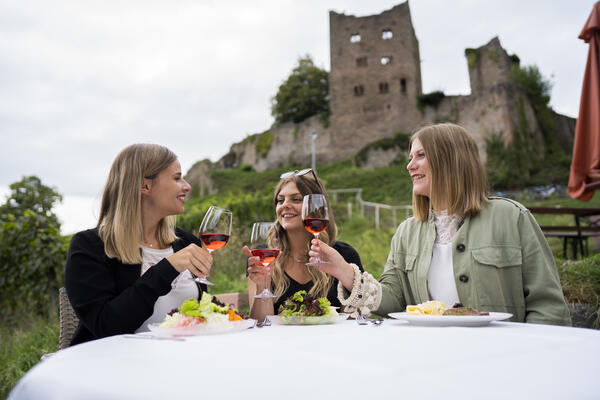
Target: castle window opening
[(359, 90), (386, 60), (361, 62), (403, 85), (383, 88), (354, 38), (387, 34)]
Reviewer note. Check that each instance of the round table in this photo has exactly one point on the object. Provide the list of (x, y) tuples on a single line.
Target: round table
[(344, 360)]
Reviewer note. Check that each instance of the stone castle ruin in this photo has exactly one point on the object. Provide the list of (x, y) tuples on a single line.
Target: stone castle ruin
[(375, 92)]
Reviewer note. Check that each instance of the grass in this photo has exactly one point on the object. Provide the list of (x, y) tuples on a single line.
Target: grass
[(21, 346)]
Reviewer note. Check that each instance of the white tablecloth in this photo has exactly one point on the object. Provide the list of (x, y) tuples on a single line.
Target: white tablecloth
[(396, 360)]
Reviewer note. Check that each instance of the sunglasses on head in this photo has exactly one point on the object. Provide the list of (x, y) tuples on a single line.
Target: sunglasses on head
[(301, 173), (298, 173)]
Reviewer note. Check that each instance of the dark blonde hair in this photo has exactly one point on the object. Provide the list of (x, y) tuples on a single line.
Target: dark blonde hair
[(457, 173), (120, 220), (322, 282)]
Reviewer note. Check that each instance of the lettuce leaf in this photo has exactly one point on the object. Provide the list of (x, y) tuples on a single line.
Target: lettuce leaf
[(191, 308), (303, 304)]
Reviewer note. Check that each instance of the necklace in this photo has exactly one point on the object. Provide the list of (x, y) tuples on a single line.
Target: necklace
[(300, 261)]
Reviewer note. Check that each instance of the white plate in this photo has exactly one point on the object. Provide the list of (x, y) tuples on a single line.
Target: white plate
[(297, 320), (450, 320), (202, 329)]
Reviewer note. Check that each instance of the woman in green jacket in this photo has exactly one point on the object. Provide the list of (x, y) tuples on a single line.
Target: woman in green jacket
[(460, 246)]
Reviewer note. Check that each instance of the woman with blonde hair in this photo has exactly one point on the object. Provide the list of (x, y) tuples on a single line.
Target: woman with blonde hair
[(289, 273), (135, 266), (460, 246)]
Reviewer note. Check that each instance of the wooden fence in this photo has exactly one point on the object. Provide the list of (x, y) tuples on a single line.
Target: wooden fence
[(368, 207)]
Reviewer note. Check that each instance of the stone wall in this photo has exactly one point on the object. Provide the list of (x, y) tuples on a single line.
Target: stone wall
[(199, 179), (489, 66), (291, 145)]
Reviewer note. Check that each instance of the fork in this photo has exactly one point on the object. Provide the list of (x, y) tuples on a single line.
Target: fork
[(266, 322), (376, 322), (360, 320)]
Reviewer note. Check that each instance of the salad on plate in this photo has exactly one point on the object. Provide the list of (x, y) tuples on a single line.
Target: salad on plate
[(209, 315), (304, 309)]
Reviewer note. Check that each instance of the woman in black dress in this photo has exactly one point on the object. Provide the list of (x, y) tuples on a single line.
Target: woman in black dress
[(289, 273)]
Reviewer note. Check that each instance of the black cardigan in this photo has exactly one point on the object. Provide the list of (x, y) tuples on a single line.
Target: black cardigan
[(110, 297)]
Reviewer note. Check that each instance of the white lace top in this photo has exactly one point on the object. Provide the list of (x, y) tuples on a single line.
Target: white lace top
[(445, 226), (440, 277)]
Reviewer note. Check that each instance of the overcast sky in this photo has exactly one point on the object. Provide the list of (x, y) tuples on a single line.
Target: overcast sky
[(81, 79)]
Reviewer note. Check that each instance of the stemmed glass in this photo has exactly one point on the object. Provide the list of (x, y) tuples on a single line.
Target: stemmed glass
[(214, 232), (315, 216), (266, 250)]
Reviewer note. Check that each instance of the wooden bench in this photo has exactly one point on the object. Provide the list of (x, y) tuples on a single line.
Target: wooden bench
[(578, 233)]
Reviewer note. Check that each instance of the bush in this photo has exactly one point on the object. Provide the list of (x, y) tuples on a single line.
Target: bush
[(263, 145), (432, 99), (520, 163), (400, 140), (305, 93), (32, 251)]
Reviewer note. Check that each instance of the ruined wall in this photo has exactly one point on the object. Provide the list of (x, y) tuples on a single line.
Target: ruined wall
[(291, 144), (493, 112), (489, 66), (199, 179)]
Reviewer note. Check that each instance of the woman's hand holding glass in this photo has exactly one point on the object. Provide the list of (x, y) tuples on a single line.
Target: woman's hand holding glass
[(214, 233), (256, 271), (331, 262), (315, 216), (193, 258)]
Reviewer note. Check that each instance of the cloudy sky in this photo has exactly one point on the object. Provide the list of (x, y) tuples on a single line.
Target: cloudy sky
[(81, 79)]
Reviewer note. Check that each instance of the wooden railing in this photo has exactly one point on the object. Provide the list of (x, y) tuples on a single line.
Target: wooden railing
[(377, 207)]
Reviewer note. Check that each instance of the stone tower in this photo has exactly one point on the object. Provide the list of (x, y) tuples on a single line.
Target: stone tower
[(375, 76)]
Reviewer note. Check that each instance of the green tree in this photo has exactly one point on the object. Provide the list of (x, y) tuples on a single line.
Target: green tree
[(32, 251), (305, 93)]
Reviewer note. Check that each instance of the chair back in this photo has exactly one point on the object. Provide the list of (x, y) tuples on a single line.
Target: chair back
[(68, 320)]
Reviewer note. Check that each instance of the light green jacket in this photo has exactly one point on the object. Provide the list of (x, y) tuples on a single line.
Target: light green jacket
[(502, 263)]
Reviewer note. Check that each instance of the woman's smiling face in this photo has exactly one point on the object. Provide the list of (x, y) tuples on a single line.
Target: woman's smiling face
[(166, 193), (418, 167), (289, 207)]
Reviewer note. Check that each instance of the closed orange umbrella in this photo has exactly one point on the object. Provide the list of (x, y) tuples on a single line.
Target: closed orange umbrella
[(585, 167)]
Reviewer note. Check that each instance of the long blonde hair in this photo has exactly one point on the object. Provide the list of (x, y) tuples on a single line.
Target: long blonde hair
[(120, 220), (457, 173), (321, 281)]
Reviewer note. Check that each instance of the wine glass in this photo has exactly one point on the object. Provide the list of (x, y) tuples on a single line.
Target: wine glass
[(214, 232), (266, 250), (315, 216)]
